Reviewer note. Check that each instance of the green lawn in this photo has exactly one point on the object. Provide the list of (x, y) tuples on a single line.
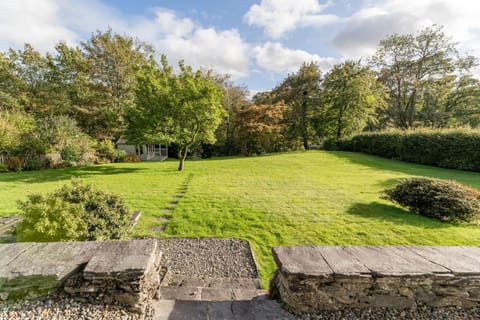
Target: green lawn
[(313, 197)]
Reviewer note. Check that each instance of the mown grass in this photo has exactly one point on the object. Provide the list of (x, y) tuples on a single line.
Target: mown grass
[(311, 197)]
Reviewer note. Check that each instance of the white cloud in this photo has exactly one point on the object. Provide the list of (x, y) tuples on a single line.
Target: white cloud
[(182, 39), (377, 19), (278, 17), (37, 22), (44, 23), (273, 56)]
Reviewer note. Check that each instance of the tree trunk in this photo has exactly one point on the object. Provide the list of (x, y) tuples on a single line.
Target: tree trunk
[(182, 155), (304, 126), (340, 123)]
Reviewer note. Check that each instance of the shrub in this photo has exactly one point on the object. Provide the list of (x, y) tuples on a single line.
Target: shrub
[(14, 163), (35, 163), (77, 211), (440, 199), (106, 150), (3, 167), (331, 144), (70, 154), (120, 155), (454, 149)]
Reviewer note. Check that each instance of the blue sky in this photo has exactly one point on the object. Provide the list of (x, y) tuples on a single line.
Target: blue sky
[(258, 42)]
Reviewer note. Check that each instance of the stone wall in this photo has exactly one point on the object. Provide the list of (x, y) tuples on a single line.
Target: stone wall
[(124, 271), (311, 279)]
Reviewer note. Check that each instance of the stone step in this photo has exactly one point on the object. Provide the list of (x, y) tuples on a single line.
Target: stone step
[(179, 280), (178, 287), (209, 294), (259, 308)]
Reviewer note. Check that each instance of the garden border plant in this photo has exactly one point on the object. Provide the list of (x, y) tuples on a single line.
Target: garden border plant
[(78, 211), (445, 200)]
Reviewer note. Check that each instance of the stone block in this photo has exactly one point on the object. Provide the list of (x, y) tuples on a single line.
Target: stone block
[(311, 279)]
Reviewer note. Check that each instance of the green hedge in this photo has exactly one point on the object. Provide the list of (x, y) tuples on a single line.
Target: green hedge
[(455, 149)]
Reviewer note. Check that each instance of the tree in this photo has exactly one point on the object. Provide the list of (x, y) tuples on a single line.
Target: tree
[(351, 95), (408, 64), (234, 99), (111, 61), (14, 129), (301, 93), (259, 128), (10, 85), (450, 101), (183, 108)]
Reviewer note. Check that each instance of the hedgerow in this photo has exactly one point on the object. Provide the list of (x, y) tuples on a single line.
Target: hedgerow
[(454, 149)]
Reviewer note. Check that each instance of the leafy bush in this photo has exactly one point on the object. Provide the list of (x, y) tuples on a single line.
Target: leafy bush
[(106, 150), (74, 212), (440, 199), (14, 163), (3, 167), (35, 163), (70, 154), (331, 144), (120, 156), (455, 149)]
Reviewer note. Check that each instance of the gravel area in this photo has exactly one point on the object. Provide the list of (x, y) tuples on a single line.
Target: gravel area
[(56, 308), (420, 313), (206, 257)]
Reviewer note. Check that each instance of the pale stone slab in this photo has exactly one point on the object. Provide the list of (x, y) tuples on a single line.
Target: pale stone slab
[(121, 256), (342, 262), (472, 252), (212, 294), (392, 261), (181, 293), (306, 260), (57, 259), (10, 252), (421, 263), (458, 260)]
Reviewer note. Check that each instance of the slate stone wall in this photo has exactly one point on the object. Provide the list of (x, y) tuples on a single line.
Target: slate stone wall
[(311, 279), (123, 271)]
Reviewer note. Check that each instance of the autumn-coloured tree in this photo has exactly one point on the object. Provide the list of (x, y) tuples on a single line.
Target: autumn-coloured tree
[(259, 128)]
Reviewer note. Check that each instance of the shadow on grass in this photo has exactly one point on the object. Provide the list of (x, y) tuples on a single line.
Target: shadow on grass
[(393, 214), (49, 175), (380, 163)]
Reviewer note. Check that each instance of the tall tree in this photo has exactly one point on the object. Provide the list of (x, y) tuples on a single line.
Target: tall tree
[(11, 85), (101, 79), (183, 108), (450, 101), (234, 99), (408, 63), (301, 93), (31, 68), (259, 128), (351, 95)]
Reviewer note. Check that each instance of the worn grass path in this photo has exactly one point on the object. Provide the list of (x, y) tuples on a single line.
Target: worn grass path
[(311, 197)]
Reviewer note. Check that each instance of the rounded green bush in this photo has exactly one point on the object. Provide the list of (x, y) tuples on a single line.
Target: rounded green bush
[(77, 211), (440, 199)]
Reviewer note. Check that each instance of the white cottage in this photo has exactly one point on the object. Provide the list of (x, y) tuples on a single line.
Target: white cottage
[(146, 152)]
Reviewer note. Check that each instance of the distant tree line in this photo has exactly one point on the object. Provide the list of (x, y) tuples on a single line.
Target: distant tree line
[(82, 99)]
